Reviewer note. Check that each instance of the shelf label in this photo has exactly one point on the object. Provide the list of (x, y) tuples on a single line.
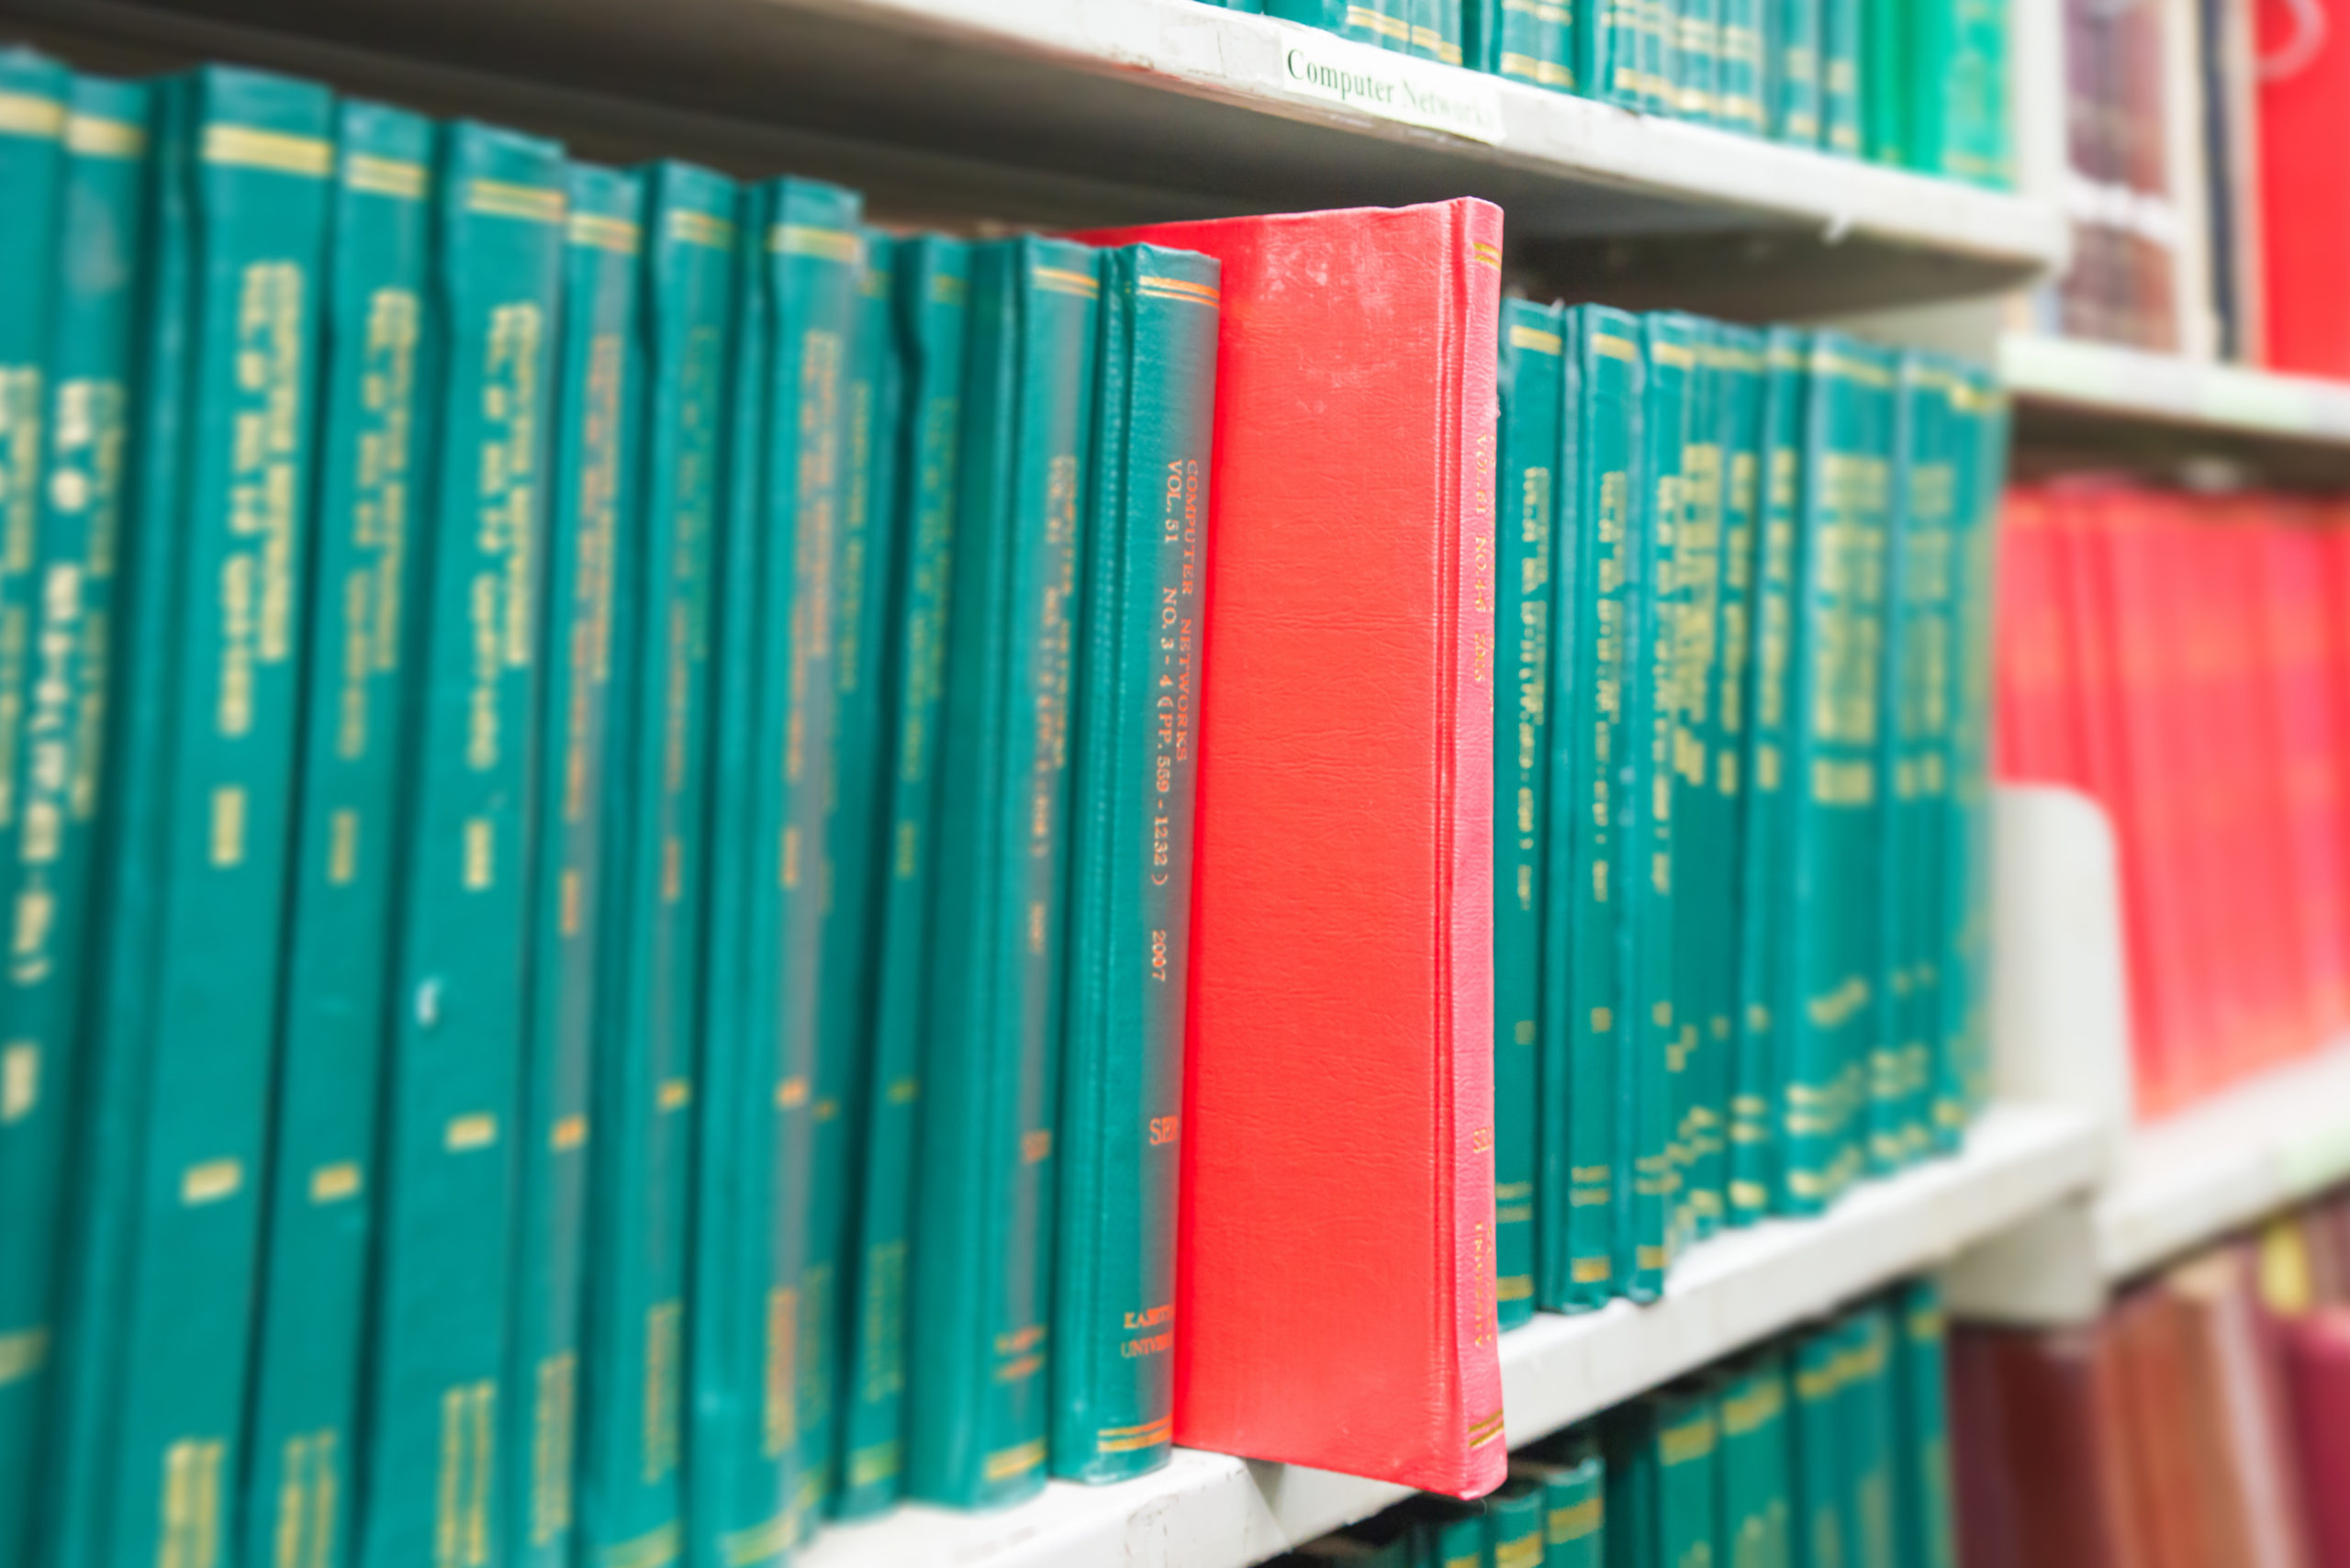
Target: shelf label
[(1400, 87)]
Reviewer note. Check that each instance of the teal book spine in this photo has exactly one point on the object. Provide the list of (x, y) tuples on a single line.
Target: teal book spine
[(1389, 22), (1922, 1498), (1559, 805), (1688, 1464), (1866, 1392), (739, 1414), (856, 853), (305, 1395), (984, 1220), (1635, 1523), (1743, 72), (1606, 50), (1649, 1043), (1889, 44), (1841, 70), (117, 135), (1447, 1534), (1702, 887), (1837, 813), (1575, 1503), (653, 652), (1766, 809), (1819, 1468), (1137, 763), (589, 550), (815, 266), (47, 311), (1330, 16), (1894, 990), (1587, 1030), (757, 1144), (252, 154), (1962, 1064), (1697, 59), (1738, 354), (1793, 67), (933, 291), (1660, 56), (1533, 443), (1480, 35), (445, 1274), (1977, 138), (1754, 1527), (1514, 1525)]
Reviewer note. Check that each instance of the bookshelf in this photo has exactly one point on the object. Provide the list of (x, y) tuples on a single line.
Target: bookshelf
[(2085, 404), (1214, 1511), (1069, 111)]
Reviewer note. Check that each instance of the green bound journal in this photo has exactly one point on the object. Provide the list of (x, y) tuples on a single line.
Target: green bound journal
[(1526, 40), (1703, 886), (1586, 1031), (1820, 1463), (1659, 46), (1514, 1523), (855, 851), (122, 127), (64, 323), (1867, 1394), (1574, 1500), (1533, 446), (1738, 354), (1766, 990), (1135, 729), (322, 1178), (1791, 70), (1840, 68), (931, 302), (777, 661), (741, 1409), (1743, 71), (1754, 1463), (983, 1275), (1635, 1532), (1697, 59), (1922, 1478), (1834, 771), (1649, 1041), (1688, 1463), (445, 1256), (1446, 1533), (1892, 73), (591, 551), (251, 156)]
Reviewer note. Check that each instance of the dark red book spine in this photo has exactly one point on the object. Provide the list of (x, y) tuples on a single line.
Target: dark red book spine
[(1335, 1279), (2317, 1363)]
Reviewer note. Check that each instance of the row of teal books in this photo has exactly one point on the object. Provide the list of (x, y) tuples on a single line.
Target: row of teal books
[(1830, 1449), (500, 659), (1744, 623), (1916, 84)]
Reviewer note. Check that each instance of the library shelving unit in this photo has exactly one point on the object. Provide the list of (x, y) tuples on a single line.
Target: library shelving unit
[(1069, 112), (1212, 1511), (2089, 404), (1082, 111)]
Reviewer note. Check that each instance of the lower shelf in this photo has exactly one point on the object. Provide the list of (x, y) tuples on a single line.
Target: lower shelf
[(1209, 1510), (2244, 1153)]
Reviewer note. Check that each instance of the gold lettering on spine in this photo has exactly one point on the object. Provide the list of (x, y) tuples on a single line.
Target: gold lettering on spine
[(551, 1447), (20, 453), (257, 571), (378, 523), (499, 598), (780, 1406)]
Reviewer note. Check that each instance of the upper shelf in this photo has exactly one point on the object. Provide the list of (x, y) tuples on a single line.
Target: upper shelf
[(2090, 404), (1209, 1510), (1069, 111)]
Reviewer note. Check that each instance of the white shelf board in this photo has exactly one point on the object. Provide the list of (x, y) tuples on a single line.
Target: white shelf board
[(2225, 1163), (1212, 1511), (2085, 399), (1110, 110)]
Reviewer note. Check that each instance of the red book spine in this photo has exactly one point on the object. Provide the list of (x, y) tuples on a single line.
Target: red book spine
[(2034, 665), (1335, 1276), (2317, 1363), (2304, 54)]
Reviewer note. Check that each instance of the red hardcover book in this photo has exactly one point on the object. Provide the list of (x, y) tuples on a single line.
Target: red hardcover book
[(2034, 661), (2305, 203), (2317, 1363), (1335, 1295), (2040, 1445), (2293, 622), (2236, 1400)]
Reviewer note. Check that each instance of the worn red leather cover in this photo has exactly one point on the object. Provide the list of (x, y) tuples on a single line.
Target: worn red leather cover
[(2317, 1361), (1334, 1294)]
